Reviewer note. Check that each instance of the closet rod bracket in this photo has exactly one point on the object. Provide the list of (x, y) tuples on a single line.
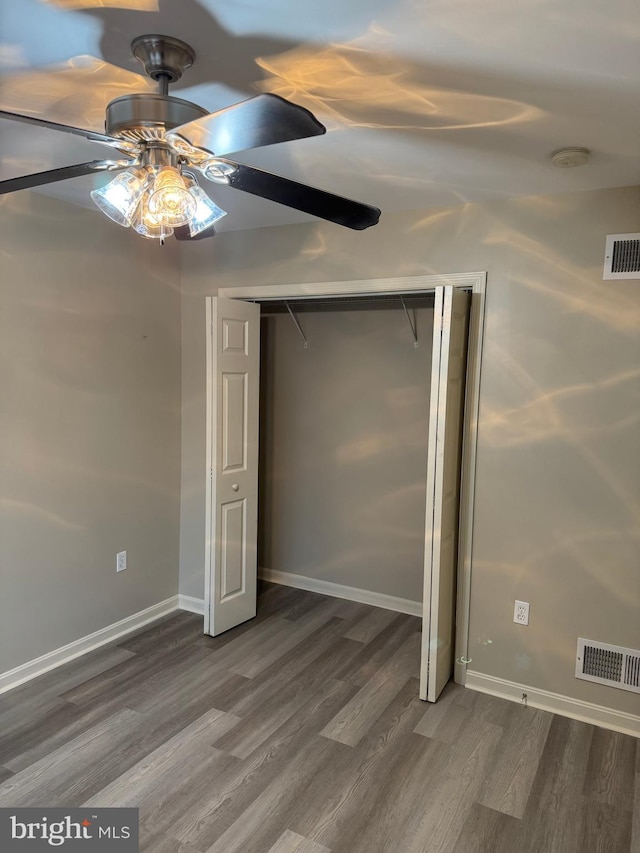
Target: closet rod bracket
[(297, 325), (412, 321)]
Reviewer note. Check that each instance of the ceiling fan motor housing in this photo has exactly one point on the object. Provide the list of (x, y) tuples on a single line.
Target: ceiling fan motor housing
[(147, 117)]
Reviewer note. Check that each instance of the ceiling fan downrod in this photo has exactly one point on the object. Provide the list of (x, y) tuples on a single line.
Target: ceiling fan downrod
[(164, 58)]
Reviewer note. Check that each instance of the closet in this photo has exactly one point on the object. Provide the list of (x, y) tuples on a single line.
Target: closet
[(360, 453)]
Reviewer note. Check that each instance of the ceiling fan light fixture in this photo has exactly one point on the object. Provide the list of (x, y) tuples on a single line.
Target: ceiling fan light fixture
[(120, 198), (170, 203), (207, 211)]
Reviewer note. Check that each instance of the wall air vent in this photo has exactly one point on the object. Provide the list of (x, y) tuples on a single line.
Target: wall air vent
[(622, 256), (606, 664)]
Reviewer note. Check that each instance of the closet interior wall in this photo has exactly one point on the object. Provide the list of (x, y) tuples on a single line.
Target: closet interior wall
[(343, 446)]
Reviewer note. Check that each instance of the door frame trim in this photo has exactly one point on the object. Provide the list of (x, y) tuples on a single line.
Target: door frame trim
[(476, 283), (208, 515)]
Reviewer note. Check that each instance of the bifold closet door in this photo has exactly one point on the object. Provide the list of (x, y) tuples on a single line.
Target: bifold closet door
[(233, 375), (448, 372)]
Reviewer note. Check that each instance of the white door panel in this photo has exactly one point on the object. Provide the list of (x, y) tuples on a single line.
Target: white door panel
[(233, 552), (448, 371), (233, 361)]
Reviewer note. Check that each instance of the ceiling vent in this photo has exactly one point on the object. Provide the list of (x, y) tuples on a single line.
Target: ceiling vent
[(606, 664), (622, 256)]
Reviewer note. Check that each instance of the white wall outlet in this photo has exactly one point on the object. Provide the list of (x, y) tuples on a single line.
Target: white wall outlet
[(521, 613), (121, 561)]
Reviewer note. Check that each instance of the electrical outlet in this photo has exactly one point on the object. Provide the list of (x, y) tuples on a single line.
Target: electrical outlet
[(521, 612), (121, 561)]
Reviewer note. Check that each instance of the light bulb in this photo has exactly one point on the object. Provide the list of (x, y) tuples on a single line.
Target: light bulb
[(170, 202), (146, 225), (206, 213), (120, 197)]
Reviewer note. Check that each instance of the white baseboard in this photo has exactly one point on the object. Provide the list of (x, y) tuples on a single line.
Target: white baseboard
[(577, 709), (33, 668), (338, 590), (193, 605)]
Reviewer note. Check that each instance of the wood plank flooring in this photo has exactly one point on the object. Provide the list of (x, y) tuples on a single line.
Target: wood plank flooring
[(302, 732)]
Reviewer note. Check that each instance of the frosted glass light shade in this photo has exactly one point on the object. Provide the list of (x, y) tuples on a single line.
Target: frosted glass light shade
[(170, 202), (120, 198), (206, 213)]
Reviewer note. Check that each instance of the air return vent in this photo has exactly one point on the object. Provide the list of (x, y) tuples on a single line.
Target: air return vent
[(605, 664), (622, 256)]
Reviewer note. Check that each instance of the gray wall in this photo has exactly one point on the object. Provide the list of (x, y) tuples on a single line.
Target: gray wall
[(343, 442), (557, 488), (90, 448)]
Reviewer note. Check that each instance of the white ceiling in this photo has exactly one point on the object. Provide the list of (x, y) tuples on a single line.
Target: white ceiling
[(426, 102)]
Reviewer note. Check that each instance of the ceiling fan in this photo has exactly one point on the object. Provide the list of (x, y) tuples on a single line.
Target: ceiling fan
[(168, 142)]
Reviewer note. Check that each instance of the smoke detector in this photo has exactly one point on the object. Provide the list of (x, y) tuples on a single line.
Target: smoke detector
[(567, 158)]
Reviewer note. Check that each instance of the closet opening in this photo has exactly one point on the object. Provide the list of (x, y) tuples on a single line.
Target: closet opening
[(344, 416), (362, 447)]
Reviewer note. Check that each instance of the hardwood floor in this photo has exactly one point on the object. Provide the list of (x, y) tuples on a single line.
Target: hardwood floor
[(302, 732)]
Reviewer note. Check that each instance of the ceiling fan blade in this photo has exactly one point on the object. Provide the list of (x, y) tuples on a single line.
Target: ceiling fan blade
[(182, 233), (38, 179), (325, 205), (263, 120), (91, 135)]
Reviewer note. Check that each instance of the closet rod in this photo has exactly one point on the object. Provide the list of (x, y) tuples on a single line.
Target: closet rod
[(297, 324)]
